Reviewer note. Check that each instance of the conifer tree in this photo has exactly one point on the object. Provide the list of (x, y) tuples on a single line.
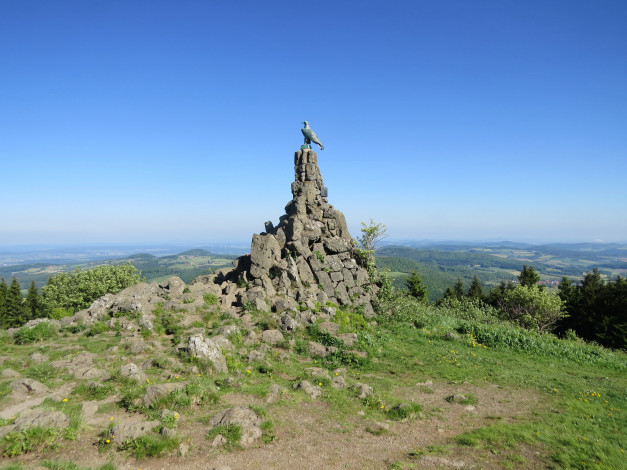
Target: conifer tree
[(4, 290), (456, 292), (528, 276), (33, 303), (475, 291), (14, 311), (415, 287)]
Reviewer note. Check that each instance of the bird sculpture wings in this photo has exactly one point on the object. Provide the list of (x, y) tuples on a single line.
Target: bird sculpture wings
[(310, 136)]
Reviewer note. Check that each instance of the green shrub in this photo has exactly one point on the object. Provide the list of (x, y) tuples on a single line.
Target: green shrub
[(97, 328), (58, 313), (77, 290), (210, 299), (42, 331)]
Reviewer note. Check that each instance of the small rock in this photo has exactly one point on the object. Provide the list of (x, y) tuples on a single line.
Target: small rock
[(349, 339), (218, 441), (338, 382), (183, 449), (154, 392), (131, 371), (244, 417), (274, 394), (457, 398), (28, 387), (10, 373), (255, 356), (272, 336), (124, 432), (317, 349), (312, 390), (287, 323), (136, 346), (362, 390), (38, 358)]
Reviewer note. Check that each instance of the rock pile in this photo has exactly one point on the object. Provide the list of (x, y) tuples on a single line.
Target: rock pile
[(308, 258)]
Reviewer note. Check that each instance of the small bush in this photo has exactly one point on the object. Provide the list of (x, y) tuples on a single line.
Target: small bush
[(403, 411), (210, 299), (97, 328), (40, 332), (58, 313)]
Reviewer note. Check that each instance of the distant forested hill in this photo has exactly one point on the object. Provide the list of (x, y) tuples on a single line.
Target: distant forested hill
[(440, 265), (186, 265)]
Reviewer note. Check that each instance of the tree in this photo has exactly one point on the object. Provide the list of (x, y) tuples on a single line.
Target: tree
[(475, 291), (33, 302), (528, 276), (4, 290), (415, 287), (596, 309), (532, 308), (371, 235), (77, 290), (456, 292), (14, 312)]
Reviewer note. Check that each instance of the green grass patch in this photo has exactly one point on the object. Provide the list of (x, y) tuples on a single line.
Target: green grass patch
[(150, 446), (231, 432), (41, 332), (33, 439)]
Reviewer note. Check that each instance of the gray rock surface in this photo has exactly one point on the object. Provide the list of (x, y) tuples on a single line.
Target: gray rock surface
[(241, 416), (309, 251), (209, 349), (123, 432), (154, 392)]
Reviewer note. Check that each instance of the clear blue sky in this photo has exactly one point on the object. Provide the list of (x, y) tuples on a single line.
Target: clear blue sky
[(155, 121)]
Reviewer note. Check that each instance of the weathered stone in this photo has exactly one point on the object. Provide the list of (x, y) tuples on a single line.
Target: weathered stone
[(241, 416), (82, 366), (338, 382), (209, 349), (312, 390), (155, 392), (349, 339), (28, 387), (336, 245), (132, 372), (274, 393), (272, 336), (362, 390), (264, 253), (287, 323), (10, 373), (123, 432), (326, 283), (172, 286), (317, 349)]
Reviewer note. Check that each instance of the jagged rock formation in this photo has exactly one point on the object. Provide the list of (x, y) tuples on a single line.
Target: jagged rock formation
[(308, 258)]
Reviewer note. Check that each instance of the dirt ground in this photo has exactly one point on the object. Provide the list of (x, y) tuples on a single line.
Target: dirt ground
[(309, 435)]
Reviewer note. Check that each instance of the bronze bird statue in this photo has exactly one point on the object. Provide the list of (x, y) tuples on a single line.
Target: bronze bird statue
[(310, 136)]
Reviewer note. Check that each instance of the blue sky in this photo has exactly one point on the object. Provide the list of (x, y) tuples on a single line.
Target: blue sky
[(154, 121)]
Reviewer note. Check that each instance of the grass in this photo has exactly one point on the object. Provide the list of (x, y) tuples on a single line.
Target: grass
[(231, 432), (150, 446), (33, 439)]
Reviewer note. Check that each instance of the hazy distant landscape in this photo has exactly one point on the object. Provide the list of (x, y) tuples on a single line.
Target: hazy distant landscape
[(439, 264)]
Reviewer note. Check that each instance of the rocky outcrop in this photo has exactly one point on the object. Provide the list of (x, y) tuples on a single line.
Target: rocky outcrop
[(309, 257)]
